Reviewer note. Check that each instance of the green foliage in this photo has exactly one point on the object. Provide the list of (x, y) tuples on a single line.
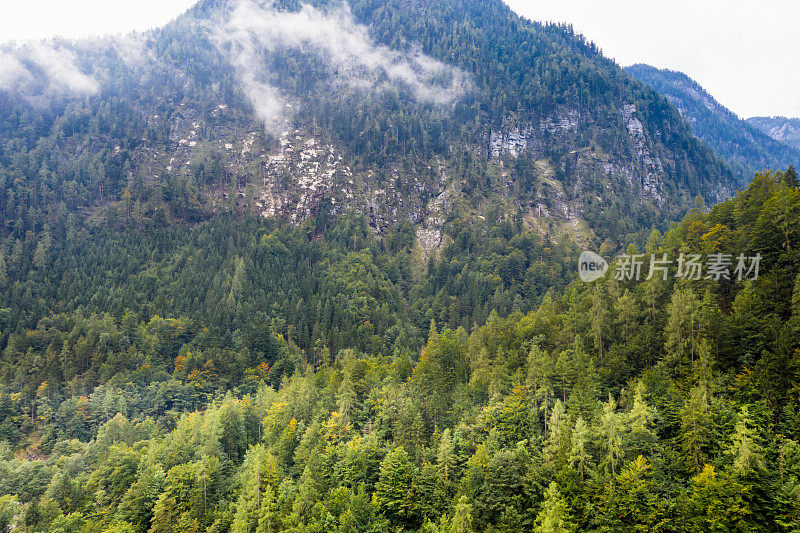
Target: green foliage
[(554, 516), (394, 495), (154, 404)]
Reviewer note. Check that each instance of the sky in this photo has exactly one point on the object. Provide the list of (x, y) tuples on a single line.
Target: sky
[(744, 53), (36, 19)]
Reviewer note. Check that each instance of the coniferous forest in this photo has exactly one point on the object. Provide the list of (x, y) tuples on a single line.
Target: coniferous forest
[(314, 267), (239, 375)]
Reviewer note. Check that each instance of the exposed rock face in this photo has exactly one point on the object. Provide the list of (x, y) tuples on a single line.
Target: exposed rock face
[(290, 177), (295, 128), (650, 166), (512, 139), (299, 176), (645, 170), (293, 176), (429, 240), (430, 232), (512, 142)]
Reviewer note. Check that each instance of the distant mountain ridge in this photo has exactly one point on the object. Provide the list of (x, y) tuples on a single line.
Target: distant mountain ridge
[(783, 129), (742, 143)]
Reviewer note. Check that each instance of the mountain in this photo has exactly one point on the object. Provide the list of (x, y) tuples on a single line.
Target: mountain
[(277, 267), (785, 130), (742, 143), (421, 111)]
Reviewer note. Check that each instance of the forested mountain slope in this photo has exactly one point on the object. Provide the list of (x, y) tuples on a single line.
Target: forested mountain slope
[(662, 404), (395, 110), (740, 142), (783, 129), (312, 267)]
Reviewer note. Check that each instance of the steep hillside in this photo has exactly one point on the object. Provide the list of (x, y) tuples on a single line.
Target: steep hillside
[(742, 143), (282, 267), (398, 110), (663, 404), (785, 130)]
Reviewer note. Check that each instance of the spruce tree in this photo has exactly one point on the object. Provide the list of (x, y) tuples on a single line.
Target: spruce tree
[(555, 516)]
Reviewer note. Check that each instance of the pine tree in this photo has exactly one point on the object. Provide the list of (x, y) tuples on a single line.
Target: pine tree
[(346, 399), (585, 381), (555, 450), (747, 453), (682, 325), (600, 319), (795, 295), (539, 371), (695, 428), (610, 431), (259, 473), (627, 311), (3, 271), (393, 492), (269, 520), (462, 517), (716, 503), (445, 456), (8, 511), (640, 438), (554, 516), (40, 256), (578, 455), (790, 177), (631, 504)]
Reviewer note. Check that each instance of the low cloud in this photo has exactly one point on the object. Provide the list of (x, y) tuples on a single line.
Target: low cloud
[(60, 66), (254, 28), (43, 68), (243, 52), (12, 72), (132, 49)]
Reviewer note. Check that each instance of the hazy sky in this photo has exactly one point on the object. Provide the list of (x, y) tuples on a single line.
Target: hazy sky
[(745, 53), (31, 19)]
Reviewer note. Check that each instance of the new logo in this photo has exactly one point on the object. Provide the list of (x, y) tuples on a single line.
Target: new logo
[(591, 266)]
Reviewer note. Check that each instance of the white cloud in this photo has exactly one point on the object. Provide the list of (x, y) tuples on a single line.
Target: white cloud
[(12, 72), (743, 52), (56, 63), (131, 48), (59, 65), (253, 28)]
